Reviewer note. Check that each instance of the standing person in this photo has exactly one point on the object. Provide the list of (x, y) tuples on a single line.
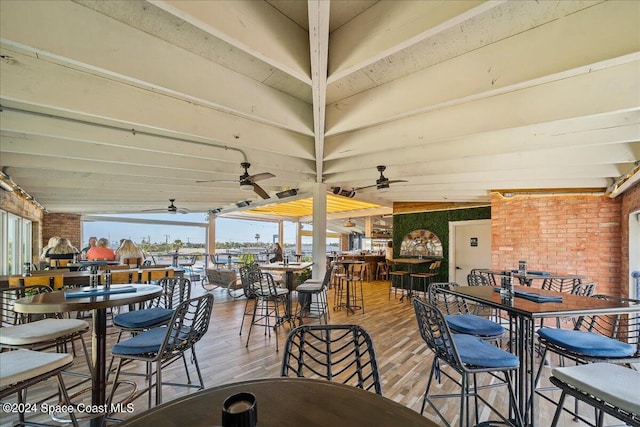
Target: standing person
[(128, 249), (102, 251), (389, 250), (92, 244), (277, 253)]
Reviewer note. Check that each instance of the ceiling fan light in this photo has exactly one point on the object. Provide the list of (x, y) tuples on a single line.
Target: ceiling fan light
[(349, 223), (383, 187), (246, 186)]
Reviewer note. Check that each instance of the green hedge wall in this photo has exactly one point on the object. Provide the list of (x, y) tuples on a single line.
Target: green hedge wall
[(438, 223)]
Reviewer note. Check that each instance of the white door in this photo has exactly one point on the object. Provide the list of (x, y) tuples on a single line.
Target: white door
[(470, 243)]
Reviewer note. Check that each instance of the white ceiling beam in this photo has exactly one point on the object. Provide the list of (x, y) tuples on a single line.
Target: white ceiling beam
[(604, 91), (620, 128), (319, 50), (158, 65), (100, 100), (392, 26), (253, 26), (598, 37)]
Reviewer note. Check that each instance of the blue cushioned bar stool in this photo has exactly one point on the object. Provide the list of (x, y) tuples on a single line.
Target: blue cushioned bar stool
[(457, 314), (469, 356), (161, 346)]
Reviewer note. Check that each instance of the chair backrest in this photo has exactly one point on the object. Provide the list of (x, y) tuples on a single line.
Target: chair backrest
[(356, 271), (8, 317), (477, 280), (561, 284), (250, 279), (54, 281), (340, 353), (122, 277), (175, 290), (59, 263), (327, 277), (153, 274), (488, 275), (132, 262), (267, 286), (436, 333), (445, 302), (585, 289), (188, 325), (624, 327)]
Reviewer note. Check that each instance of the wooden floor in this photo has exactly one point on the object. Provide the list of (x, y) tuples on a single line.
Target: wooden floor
[(404, 360)]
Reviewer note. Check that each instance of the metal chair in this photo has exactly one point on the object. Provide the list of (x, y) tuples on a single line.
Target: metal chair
[(161, 346), (340, 353), (250, 280), (24, 368), (468, 356), (354, 277), (37, 332), (457, 314), (612, 338), (269, 298), (609, 388)]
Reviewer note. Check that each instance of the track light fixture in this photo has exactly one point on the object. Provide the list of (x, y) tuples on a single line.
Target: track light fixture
[(287, 193)]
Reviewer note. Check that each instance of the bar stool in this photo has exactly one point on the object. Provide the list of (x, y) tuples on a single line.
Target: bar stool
[(399, 279), (382, 272), (425, 279)]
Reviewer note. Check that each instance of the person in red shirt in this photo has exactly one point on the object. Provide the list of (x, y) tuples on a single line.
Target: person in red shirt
[(101, 251)]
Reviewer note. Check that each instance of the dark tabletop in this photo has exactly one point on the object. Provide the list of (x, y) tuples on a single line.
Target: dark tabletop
[(286, 402)]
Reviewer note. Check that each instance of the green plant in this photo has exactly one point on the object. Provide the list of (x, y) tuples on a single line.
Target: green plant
[(303, 275)]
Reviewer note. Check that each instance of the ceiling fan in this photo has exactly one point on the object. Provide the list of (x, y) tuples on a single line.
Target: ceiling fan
[(248, 182), (172, 209), (382, 183)]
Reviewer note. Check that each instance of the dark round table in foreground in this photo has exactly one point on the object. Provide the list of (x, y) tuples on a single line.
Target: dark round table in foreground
[(286, 402)]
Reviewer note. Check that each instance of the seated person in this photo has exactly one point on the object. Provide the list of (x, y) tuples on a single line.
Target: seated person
[(277, 253), (52, 242), (92, 244), (102, 251), (63, 249), (128, 250)]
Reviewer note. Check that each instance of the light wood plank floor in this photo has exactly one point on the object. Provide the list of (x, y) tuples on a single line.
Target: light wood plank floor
[(403, 357)]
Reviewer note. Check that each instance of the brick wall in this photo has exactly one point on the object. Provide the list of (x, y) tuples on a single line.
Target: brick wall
[(63, 225), (563, 234)]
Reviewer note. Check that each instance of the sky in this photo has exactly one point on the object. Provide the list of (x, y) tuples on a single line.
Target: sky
[(227, 230)]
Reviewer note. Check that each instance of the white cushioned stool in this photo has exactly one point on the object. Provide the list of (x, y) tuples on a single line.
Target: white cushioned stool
[(23, 368), (612, 389)]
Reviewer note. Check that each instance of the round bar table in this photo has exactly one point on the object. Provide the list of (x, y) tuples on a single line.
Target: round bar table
[(286, 402), (56, 302)]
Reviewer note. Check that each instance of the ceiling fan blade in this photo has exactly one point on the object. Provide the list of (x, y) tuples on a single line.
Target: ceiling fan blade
[(230, 181), (362, 188), (393, 181), (182, 210), (260, 176), (260, 191), (153, 210)]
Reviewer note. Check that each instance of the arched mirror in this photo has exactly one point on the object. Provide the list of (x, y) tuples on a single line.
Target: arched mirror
[(421, 242)]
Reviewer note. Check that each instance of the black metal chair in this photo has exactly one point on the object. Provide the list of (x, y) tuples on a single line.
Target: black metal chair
[(459, 317), (612, 338), (266, 310), (250, 279), (467, 355), (340, 353), (163, 345)]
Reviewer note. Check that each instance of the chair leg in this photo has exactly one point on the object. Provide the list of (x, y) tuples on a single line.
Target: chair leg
[(556, 416), (253, 319), (67, 400)]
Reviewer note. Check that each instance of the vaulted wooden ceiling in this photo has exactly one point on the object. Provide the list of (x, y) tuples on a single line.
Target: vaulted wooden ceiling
[(118, 106)]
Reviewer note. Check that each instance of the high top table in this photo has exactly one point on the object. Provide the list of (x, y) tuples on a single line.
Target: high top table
[(286, 402), (288, 269), (56, 302), (523, 314)]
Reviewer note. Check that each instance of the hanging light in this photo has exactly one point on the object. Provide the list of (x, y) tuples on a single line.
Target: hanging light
[(349, 223)]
